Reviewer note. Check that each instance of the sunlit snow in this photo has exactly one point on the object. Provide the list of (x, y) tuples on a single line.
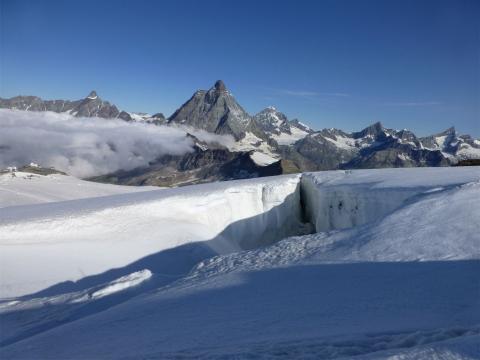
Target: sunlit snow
[(367, 264)]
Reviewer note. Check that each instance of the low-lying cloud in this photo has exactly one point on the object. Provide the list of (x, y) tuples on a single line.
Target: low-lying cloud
[(86, 147), (224, 140)]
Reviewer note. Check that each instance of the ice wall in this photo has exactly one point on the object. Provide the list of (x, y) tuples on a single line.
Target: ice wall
[(42, 245), (248, 214), (261, 215), (341, 206), (343, 199)]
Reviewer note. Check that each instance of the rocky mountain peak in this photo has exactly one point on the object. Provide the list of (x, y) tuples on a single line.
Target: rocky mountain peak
[(299, 125), (378, 126), (271, 115), (272, 121), (372, 130), (218, 112), (450, 131), (93, 95), (220, 86), (405, 135)]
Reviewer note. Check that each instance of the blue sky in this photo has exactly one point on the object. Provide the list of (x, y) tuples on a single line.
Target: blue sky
[(331, 63)]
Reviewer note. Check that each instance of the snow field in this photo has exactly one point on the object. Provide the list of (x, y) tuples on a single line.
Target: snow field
[(25, 188), (90, 236), (392, 272)]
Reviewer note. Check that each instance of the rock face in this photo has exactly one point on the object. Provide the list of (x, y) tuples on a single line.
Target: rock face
[(201, 166), (272, 121), (90, 106), (378, 147), (277, 126), (216, 111)]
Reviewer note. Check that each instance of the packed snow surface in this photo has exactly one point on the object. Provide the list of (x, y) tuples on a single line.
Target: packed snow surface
[(22, 188), (391, 272)]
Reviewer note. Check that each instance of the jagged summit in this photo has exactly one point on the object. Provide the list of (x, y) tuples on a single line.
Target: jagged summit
[(448, 141), (93, 95), (376, 126), (220, 86), (450, 131), (373, 130), (91, 106), (272, 121), (279, 128), (270, 109), (216, 111)]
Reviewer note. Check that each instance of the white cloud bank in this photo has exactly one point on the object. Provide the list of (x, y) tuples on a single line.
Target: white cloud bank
[(85, 147), (224, 140)]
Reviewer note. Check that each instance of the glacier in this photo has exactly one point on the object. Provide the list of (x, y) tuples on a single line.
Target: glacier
[(77, 236), (367, 264)]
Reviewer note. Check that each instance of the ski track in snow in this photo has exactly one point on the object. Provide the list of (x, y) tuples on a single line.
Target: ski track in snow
[(392, 272)]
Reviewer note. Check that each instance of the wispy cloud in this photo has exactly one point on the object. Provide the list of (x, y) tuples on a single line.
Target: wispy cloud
[(311, 94), (413, 103), (337, 94), (298, 93)]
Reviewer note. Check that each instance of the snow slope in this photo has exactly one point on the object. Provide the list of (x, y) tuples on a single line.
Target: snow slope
[(69, 240), (391, 274), (300, 310), (287, 139), (26, 188)]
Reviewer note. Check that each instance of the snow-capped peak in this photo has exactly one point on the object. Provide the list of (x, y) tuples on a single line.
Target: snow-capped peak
[(277, 125)]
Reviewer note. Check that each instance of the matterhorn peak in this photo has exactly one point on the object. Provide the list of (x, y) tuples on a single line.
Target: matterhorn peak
[(220, 86), (93, 95)]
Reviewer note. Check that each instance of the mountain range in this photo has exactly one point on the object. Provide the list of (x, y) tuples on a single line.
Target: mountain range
[(267, 143)]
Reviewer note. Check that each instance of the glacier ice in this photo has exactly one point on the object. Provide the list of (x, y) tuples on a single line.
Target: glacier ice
[(226, 286), (45, 244)]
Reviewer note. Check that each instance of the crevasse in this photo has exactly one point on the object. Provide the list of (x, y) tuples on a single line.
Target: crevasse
[(169, 231)]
